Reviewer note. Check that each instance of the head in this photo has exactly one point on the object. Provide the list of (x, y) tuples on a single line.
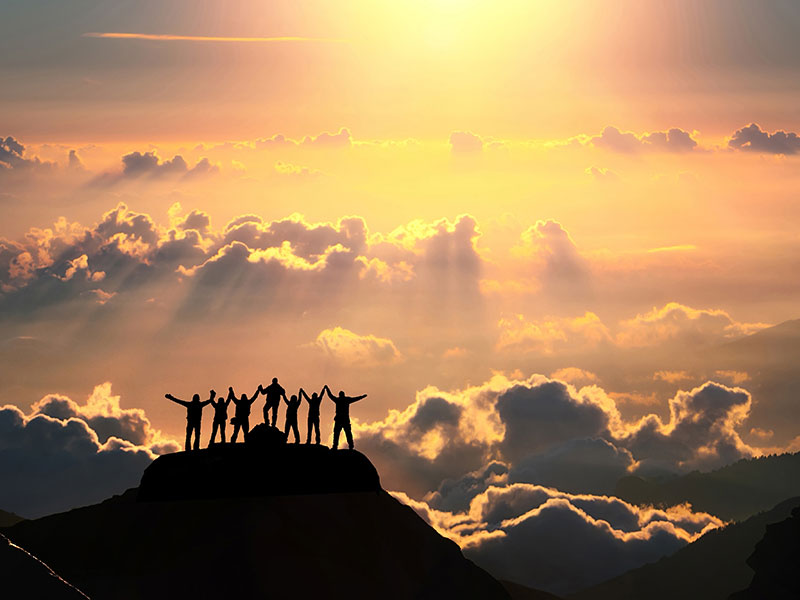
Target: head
[(196, 398), (314, 396), (294, 398), (244, 397), (341, 393), (274, 380)]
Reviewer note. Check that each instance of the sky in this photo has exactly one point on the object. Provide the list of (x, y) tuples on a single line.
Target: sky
[(531, 232)]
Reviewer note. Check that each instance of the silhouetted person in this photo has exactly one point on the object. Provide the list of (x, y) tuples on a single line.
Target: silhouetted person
[(274, 392), (313, 412), (241, 419), (291, 418), (194, 415), (220, 417), (341, 419)]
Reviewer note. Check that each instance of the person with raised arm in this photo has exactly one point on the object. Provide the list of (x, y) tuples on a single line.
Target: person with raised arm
[(241, 419), (313, 412), (273, 392), (220, 417), (194, 415), (291, 417), (341, 419)]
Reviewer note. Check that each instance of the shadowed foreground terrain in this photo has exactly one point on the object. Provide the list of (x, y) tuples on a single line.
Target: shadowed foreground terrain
[(712, 568), (25, 576), (355, 544)]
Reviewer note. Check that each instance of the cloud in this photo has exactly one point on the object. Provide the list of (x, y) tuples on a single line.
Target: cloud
[(601, 173), (671, 376), (148, 165), (547, 432), (562, 542), (342, 139), (550, 334), (352, 349), (167, 37), (465, 142), (574, 375), (63, 455), (753, 139), (676, 322), (296, 171), (673, 140), (12, 157)]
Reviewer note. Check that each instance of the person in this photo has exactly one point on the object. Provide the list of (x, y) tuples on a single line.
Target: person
[(341, 419), (313, 412), (291, 418), (194, 415), (273, 392), (220, 417), (241, 419)]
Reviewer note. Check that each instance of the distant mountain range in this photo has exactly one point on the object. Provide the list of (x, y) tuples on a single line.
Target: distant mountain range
[(7, 519), (733, 492), (712, 568)]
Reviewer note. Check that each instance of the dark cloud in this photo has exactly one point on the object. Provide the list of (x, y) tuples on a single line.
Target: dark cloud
[(673, 140), (12, 157), (54, 459), (561, 542), (148, 165), (753, 139)]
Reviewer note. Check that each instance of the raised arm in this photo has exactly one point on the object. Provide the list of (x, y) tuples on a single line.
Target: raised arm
[(176, 400), (357, 398), (231, 394), (328, 391), (211, 395), (255, 395), (302, 394)]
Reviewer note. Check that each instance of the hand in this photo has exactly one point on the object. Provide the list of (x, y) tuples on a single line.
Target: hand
[(213, 393), (168, 396)]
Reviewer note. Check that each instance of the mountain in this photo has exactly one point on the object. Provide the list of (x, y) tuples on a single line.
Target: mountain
[(25, 576), (7, 519), (711, 568), (241, 540), (774, 346), (775, 562), (733, 492)]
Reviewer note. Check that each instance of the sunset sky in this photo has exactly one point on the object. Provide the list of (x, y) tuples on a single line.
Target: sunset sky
[(519, 226)]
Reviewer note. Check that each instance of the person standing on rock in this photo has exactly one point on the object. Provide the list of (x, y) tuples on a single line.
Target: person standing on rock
[(241, 420), (220, 417), (313, 412), (341, 419), (194, 415), (291, 417), (273, 392)]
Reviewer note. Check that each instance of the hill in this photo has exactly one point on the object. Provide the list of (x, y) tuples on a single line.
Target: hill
[(7, 519), (712, 568), (733, 492), (775, 561), (347, 544)]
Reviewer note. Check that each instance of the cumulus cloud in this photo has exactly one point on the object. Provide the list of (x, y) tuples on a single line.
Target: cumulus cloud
[(547, 335), (753, 139), (345, 346), (548, 432), (296, 171), (63, 455), (342, 139), (12, 156), (673, 140), (144, 165), (465, 142), (676, 322), (562, 542)]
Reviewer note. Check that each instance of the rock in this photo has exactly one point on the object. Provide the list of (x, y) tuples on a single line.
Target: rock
[(22, 575), (264, 466)]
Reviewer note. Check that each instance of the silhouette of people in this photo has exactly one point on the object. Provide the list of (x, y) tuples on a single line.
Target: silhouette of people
[(273, 392), (194, 415), (220, 417), (313, 412), (241, 419), (341, 419), (291, 417)]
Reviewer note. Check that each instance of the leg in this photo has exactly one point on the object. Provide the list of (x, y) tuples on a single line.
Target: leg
[(214, 427), (246, 427), (349, 435), (296, 432), (309, 424), (275, 413), (316, 429), (196, 436), (337, 429), (236, 428), (188, 444), (266, 414), (222, 431)]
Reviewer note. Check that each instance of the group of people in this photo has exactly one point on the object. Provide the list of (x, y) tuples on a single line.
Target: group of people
[(274, 393)]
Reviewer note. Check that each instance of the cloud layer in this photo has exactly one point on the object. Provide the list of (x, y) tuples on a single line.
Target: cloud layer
[(61, 454)]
